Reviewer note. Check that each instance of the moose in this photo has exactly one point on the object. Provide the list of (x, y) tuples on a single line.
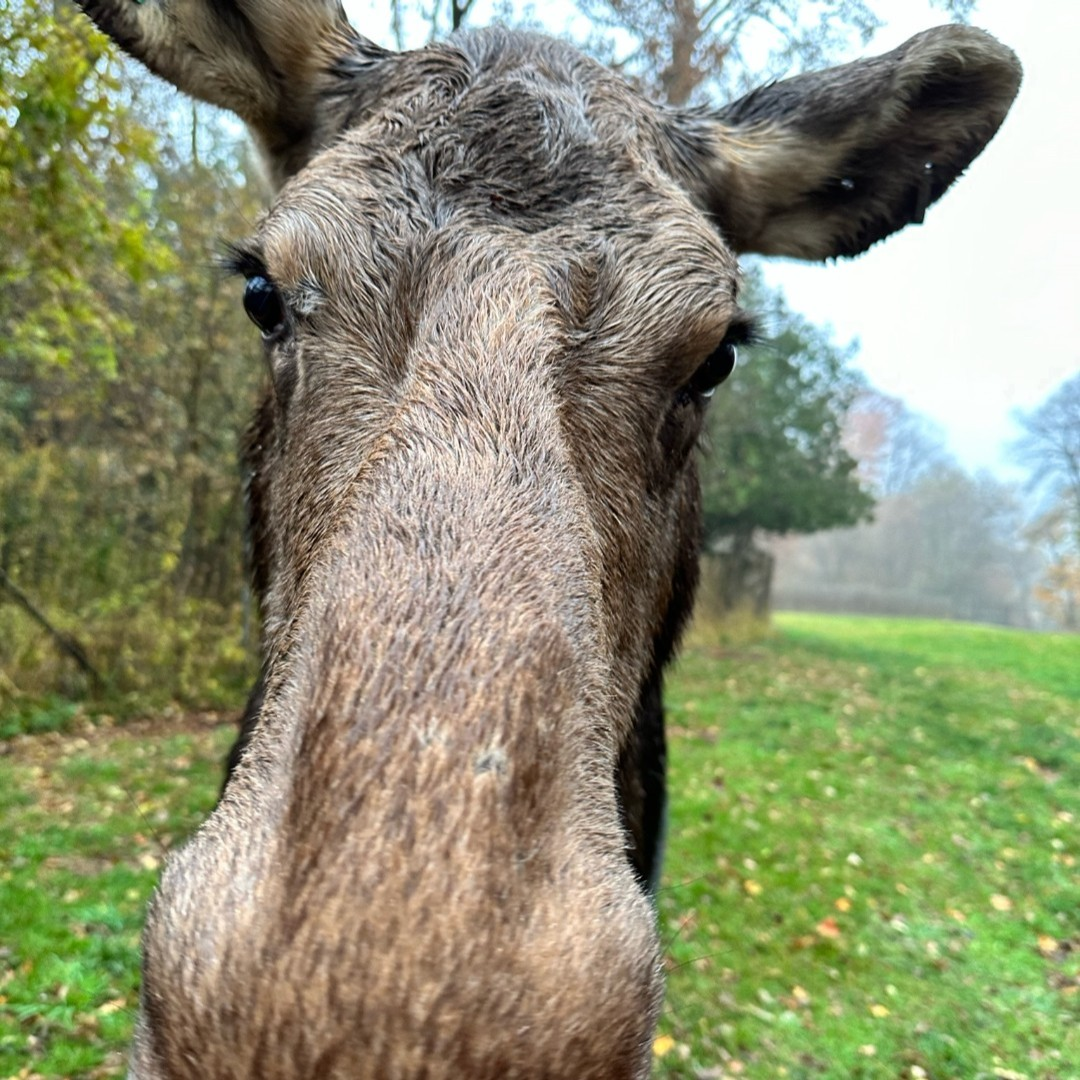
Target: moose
[(496, 289)]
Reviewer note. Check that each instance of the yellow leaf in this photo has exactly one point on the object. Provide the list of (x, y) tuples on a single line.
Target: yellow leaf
[(1000, 903), (843, 904), (879, 1011), (1047, 945), (753, 888), (662, 1045), (868, 1050)]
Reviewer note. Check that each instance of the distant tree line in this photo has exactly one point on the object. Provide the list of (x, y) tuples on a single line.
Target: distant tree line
[(127, 371), (944, 543)]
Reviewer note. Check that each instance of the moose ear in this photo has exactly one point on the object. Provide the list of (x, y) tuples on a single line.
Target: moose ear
[(828, 163), (272, 62)]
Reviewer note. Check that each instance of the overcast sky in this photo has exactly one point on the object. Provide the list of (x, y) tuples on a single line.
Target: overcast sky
[(975, 313)]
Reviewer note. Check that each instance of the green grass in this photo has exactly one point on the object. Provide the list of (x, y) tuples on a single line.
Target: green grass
[(873, 861), (84, 820)]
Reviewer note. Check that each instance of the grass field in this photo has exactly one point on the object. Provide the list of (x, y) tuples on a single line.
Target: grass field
[(873, 862)]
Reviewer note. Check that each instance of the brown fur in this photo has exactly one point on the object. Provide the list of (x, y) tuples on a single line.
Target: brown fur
[(475, 526)]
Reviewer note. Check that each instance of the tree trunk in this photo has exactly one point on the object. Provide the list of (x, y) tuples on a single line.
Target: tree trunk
[(681, 76), (64, 642), (736, 576)]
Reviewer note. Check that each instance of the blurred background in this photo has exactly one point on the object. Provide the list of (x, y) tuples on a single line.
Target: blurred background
[(905, 442)]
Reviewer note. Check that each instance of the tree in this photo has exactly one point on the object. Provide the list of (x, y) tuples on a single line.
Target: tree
[(894, 446), (948, 545), (1050, 447), (776, 460), (127, 368), (1058, 590), (441, 15), (71, 151), (678, 49)]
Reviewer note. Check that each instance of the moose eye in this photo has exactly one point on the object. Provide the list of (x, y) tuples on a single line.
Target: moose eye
[(263, 304), (719, 365)]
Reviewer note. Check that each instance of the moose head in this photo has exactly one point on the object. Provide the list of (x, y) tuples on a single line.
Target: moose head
[(496, 289)]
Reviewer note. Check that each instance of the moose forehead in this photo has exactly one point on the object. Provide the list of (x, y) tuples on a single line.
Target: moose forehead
[(503, 146)]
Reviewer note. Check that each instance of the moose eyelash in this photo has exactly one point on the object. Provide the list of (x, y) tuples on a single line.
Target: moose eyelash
[(240, 261), (744, 329)]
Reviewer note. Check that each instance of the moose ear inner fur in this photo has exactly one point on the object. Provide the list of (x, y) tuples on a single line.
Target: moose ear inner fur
[(828, 163), (274, 63)]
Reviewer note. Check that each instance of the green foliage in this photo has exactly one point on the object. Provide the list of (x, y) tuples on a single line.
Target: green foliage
[(775, 459), (70, 196), (127, 371), (37, 717)]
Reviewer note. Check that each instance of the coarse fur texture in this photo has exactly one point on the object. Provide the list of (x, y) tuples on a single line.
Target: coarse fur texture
[(497, 274)]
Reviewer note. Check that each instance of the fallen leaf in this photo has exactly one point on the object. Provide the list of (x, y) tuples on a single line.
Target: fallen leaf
[(828, 928), (753, 888), (662, 1045), (1047, 945), (843, 904), (1000, 903), (879, 1011), (868, 1050)]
